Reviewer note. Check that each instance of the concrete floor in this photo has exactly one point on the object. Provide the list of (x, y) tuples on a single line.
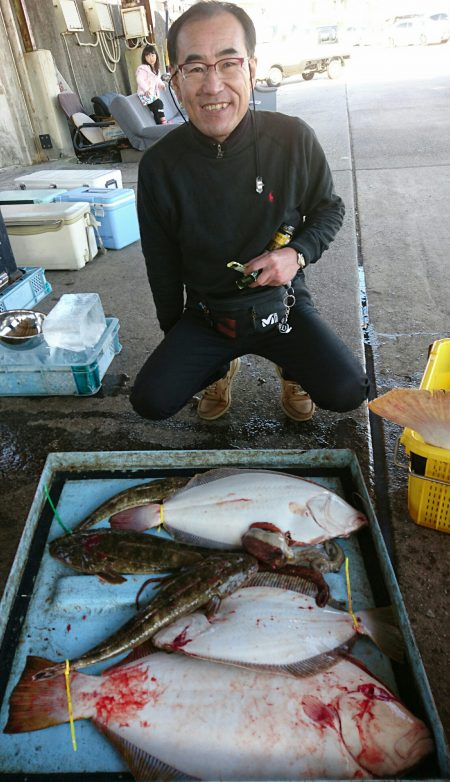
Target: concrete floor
[(395, 341)]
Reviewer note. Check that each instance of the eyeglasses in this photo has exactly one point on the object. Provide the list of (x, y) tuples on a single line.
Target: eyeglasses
[(227, 68)]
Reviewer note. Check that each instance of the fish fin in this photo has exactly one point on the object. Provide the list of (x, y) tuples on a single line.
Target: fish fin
[(139, 518), (225, 472), (281, 581), (315, 577), (321, 662), (425, 411), (299, 669), (143, 650), (143, 766), (111, 577), (181, 536), (212, 607), (35, 705), (203, 478), (304, 576), (377, 624)]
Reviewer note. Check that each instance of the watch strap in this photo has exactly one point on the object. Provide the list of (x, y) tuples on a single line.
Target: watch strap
[(301, 263)]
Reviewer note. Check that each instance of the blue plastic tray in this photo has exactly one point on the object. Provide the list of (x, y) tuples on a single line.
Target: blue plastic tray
[(49, 611), (25, 293), (33, 373)]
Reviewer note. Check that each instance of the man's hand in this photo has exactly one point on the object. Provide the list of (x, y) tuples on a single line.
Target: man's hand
[(277, 267)]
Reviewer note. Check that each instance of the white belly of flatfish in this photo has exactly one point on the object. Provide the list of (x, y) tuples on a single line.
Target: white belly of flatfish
[(221, 505), (260, 626), (214, 721)]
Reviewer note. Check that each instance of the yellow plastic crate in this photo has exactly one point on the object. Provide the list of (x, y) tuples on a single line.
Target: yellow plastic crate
[(429, 466)]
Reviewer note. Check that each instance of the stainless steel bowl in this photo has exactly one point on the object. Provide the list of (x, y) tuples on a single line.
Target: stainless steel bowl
[(21, 329)]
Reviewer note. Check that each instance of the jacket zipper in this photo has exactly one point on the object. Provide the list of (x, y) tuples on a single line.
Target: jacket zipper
[(219, 151)]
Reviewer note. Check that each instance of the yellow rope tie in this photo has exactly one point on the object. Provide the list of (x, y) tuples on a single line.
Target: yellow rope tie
[(69, 705), (161, 517), (349, 597)]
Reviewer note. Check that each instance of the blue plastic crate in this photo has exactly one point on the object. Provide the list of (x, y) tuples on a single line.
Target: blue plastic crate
[(70, 374), (25, 293)]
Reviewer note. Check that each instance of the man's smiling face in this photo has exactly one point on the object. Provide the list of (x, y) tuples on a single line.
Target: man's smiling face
[(215, 105)]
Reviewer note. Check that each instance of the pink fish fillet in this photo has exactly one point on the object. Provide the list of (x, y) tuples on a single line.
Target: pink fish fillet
[(426, 412), (217, 507), (170, 713)]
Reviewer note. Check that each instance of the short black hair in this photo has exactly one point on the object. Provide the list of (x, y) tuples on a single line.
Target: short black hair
[(205, 10)]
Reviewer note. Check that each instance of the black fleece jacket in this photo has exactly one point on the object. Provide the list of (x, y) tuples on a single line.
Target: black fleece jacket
[(198, 206)]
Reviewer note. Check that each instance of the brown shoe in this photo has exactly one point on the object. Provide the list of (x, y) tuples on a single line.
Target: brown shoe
[(216, 398), (296, 403)]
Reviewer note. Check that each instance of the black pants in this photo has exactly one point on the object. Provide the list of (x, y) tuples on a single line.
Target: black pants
[(157, 109), (194, 354)]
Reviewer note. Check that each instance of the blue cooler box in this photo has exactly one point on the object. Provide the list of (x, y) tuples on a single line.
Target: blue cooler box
[(114, 210), (30, 196)]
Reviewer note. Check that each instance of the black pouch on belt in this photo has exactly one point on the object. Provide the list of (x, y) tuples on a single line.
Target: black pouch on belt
[(244, 315)]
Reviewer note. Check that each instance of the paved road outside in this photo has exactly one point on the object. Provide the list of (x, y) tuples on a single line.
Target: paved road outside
[(386, 133)]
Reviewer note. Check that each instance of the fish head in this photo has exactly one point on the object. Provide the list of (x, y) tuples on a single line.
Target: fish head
[(333, 514), (379, 731), (268, 544), (78, 550), (63, 549)]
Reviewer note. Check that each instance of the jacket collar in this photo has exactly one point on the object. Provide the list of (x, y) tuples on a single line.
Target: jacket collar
[(237, 140)]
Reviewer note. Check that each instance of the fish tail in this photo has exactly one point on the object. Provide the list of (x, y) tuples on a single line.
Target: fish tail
[(378, 625), (139, 518), (34, 704)]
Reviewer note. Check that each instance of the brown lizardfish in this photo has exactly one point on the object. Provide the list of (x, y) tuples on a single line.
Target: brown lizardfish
[(203, 584), (135, 497), (108, 553)]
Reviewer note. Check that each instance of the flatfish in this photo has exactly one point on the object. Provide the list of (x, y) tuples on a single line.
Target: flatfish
[(173, 717)]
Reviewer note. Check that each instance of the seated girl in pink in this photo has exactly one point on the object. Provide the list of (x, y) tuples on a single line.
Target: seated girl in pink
[(149, 83)]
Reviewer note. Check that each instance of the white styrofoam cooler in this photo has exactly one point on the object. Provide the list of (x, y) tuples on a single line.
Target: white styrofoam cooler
[(39, 196), (54, 236), (67, 178)]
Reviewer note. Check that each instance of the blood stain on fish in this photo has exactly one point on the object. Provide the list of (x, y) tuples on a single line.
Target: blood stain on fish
[(236, 499), (68, 628), (319, 712), (370, 756), (375, 693), (181, 640), (123, 693), (90, 542)]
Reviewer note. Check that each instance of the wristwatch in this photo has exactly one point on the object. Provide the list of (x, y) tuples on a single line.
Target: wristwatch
[(301, 263)]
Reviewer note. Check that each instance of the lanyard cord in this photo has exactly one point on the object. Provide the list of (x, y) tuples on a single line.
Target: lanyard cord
[(259, 179), (174, 98)]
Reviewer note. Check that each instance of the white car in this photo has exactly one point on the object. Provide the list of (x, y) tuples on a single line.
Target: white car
[(436, 28), (419, 30), (406, 32), (301, 54)]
